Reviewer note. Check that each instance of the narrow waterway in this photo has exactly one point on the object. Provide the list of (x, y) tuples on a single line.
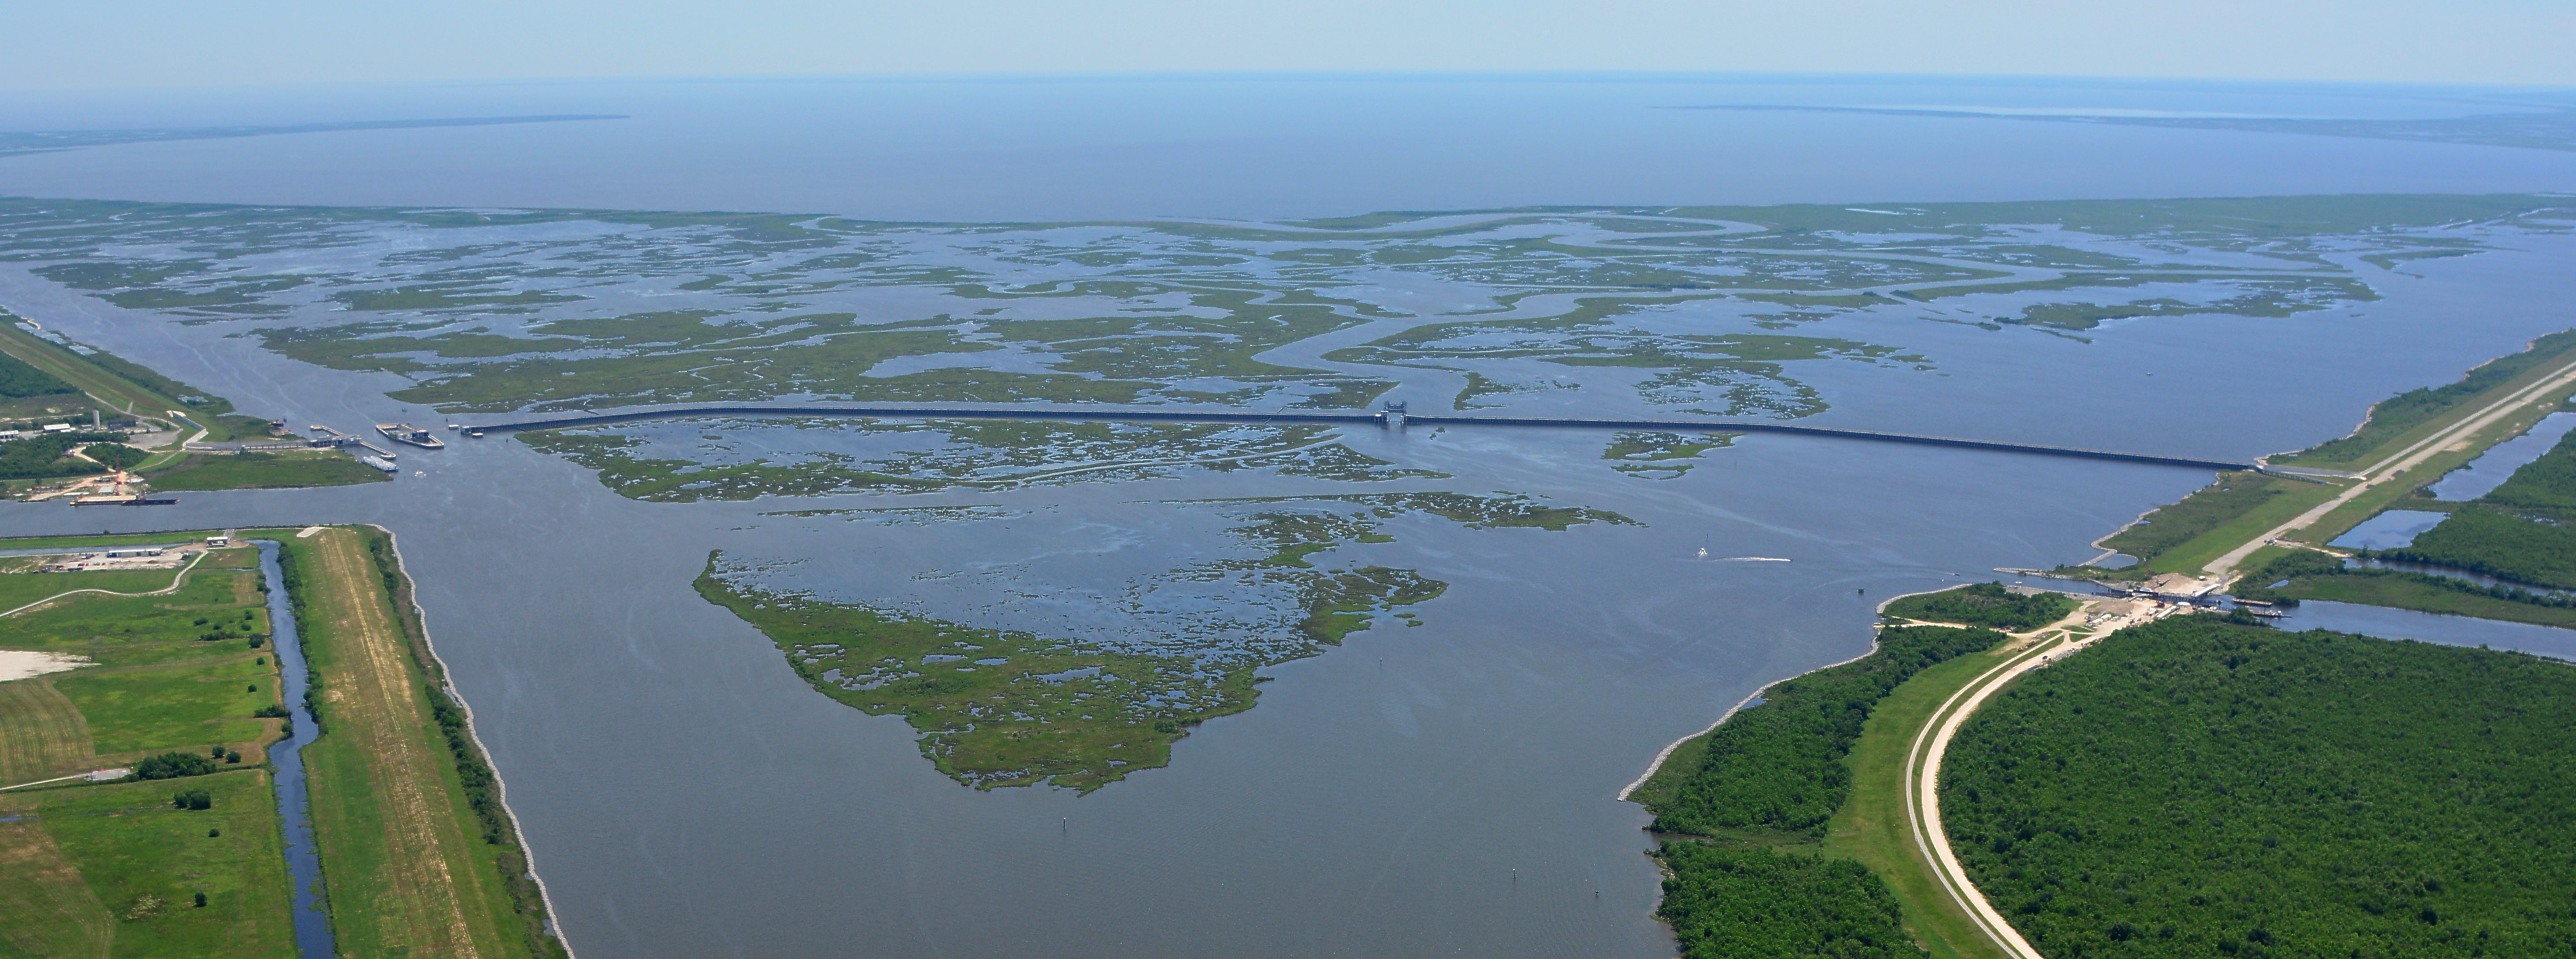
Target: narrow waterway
[(2446, 572), (303, 865), (2387, 623)]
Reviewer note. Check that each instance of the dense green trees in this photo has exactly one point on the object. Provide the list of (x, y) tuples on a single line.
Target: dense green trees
[(1752, 902), (2537, 551), (482, 788), (19, 380), (2524, 530), (1984, 604), (2202, 786), (41, 456), (115, 455), (1779, 766), (2546, 485), (2405, 411), (1774, 773)]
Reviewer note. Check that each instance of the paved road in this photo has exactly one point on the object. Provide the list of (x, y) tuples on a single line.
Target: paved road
[(1923, 761), (2396, 464), (1923, 765)]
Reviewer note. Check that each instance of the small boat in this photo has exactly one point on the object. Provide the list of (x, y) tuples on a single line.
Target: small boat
[(407, 433)]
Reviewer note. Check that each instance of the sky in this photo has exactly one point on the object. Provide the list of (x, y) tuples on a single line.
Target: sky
[(191, 43)]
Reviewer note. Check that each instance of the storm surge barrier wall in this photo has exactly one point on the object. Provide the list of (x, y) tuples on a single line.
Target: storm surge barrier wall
[(1324, 417)]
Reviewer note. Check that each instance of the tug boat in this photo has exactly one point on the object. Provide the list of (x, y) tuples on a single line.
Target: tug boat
[(407, 433)]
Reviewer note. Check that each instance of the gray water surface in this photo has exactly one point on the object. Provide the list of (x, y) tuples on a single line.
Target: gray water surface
[(1018, 150), (2394, 529), (688, 795), (2387, 623), (2481, 476)]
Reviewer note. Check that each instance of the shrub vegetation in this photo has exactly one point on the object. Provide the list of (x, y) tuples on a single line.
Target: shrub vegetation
[(2495, 544), (1779, 766), (1985, 604), (173, 766), (1759, 789), (2405, 411), (1730, 902), (18, 380), (41, 457)]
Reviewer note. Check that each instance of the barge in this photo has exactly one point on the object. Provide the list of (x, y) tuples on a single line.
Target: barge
[(407, 433)]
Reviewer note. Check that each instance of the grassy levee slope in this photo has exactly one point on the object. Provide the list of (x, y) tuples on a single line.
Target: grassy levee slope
[(119, 393), (413, 866), (127, 388), (1872, 827), (118, 387), (2516, 532), (2201, 786), (2188, 535), (123, 387), (113, 870), (1786, 824), (2417, 413)]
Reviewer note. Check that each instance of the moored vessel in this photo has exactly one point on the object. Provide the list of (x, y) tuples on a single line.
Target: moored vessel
[(407, 433)]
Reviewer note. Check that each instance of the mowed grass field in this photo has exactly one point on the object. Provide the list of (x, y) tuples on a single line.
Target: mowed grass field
[(411, 869), (19, 588), (1872, 826), (176, 671), (203, 471), (113, 870)]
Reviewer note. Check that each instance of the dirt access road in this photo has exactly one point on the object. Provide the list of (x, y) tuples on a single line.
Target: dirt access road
[(389, 820)]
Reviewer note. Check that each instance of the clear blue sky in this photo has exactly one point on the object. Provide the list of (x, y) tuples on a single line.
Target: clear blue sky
[(158, 43)]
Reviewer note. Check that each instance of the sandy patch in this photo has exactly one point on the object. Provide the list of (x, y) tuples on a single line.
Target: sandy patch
[(307, 532), (20, 664)]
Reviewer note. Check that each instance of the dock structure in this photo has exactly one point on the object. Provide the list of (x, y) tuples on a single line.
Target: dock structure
[(1393, 418)]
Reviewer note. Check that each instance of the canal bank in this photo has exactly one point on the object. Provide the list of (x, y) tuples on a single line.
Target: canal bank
[(407, 816), (294, 807)]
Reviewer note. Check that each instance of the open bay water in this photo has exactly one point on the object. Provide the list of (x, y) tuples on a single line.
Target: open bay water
[(1441, 790), (1024, 150)]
